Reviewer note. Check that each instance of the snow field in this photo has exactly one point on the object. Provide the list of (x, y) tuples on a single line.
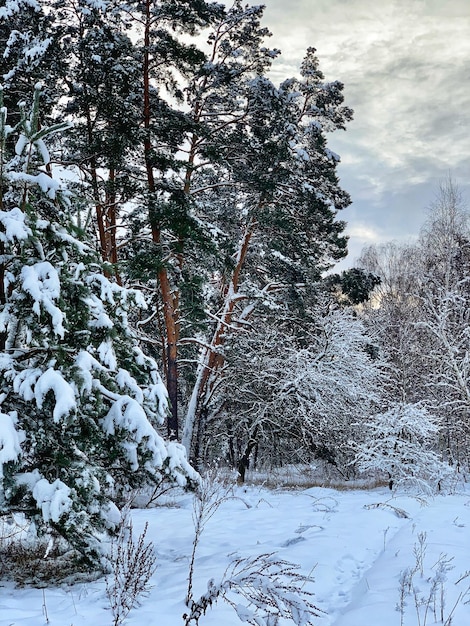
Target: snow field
[(355, 550)]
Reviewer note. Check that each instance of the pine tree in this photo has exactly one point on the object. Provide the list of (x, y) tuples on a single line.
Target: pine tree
[(166, 59), (79, 400), (102, 79), (128, 132), (283, 196), (28, 53)]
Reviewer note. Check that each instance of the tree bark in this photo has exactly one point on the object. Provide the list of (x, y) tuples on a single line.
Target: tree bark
[(244, 462), (169, 297), (3, 297), (210, 359)]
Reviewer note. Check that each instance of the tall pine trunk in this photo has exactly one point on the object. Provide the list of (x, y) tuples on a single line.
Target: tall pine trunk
[(168, 296)]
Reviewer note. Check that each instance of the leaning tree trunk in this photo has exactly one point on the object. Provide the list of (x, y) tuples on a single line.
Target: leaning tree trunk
[(211, 358)]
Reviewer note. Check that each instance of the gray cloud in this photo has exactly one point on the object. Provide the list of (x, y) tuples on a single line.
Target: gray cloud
[(406, 69)]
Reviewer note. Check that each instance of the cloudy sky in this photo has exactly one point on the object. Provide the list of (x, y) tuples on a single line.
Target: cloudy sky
[(406, 69)]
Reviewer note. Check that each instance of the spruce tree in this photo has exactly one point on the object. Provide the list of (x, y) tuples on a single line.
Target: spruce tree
[(79, 400)]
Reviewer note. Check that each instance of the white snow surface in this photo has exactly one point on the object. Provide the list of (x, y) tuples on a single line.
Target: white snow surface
[(34, 384), (126, 413), (52, 380), (13, 221), (15, 6), (352, 542), (48, 185)]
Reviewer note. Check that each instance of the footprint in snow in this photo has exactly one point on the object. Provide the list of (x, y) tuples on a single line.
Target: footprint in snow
[(348, 571)]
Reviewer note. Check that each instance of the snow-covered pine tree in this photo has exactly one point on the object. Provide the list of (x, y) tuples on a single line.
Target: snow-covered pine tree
[(102, 74), (167, 60), (28, 51), (79, 401), (283, 189)]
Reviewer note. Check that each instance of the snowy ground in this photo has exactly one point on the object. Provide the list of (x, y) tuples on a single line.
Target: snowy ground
[(354, 542)]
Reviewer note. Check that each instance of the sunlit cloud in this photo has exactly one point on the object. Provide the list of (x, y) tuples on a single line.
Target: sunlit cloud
[(365, 233)]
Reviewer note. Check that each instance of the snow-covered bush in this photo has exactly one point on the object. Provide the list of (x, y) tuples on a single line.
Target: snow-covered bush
[(79, 400), (261, 589), (298, 402), (399, 443)]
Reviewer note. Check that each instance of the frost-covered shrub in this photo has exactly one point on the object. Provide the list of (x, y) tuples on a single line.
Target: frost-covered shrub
[(262, 589), (133, 563), (400, 444), (79, 400), (298, 402)]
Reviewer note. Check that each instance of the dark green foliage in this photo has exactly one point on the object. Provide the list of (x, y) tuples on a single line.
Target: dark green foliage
[(200, 181), (79, 400), (29, 46), (355, 285)]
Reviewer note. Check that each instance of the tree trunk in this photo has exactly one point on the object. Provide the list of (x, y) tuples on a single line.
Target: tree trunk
[(3, 297), (105, 210), (169, 297), (211, 359), (244, 462)]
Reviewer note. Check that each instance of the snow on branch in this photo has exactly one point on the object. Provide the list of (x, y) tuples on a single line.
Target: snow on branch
[(13, 222), (65, 401), (42, 282), (52, 498), (47, 184), (399, 443), (12, 7), (10, 439), (269, 588), (127, 414)]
